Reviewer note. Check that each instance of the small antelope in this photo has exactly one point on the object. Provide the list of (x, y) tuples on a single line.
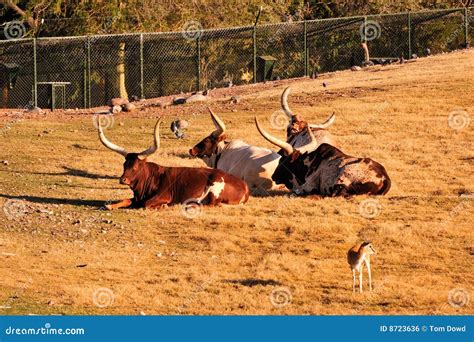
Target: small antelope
[(356, 257)]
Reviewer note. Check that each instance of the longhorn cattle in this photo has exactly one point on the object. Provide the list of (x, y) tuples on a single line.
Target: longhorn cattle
[(154, 185), (326, 170), (296, 132), (255, 165)]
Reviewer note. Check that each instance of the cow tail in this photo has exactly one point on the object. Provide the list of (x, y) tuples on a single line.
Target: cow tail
[(204, 195)]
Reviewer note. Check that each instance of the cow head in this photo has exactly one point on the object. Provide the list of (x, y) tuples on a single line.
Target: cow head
[(291, 169), (297, 126), (133, 167), (208, 146)]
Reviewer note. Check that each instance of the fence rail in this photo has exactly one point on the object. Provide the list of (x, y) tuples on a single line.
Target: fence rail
[(147, 65)]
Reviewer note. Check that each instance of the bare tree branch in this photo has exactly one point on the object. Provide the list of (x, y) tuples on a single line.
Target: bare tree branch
[(13, 6)]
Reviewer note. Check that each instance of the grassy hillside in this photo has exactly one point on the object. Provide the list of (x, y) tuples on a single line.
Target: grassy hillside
[(61, 254)]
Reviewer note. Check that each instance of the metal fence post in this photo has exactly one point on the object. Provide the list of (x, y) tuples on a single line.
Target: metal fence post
[(305, 49), (466, 27), (254, 38), (409, 36), (35, 75), (89, 105), (198, 62), (84, 80), (142, 90)]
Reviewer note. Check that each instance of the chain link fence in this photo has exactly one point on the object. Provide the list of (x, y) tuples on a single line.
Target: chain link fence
[(90, 70)]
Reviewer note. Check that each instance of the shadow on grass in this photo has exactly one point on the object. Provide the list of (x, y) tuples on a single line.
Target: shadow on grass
[(184, 156), (271, 193), (252, 282), (52, 200)]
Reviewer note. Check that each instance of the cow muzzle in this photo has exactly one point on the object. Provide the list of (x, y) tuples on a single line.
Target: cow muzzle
[(194, 152), (124, 181)]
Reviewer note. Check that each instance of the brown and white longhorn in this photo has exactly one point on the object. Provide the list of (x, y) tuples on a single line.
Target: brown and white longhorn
[(325, 171), (254, 164), (154, 185)]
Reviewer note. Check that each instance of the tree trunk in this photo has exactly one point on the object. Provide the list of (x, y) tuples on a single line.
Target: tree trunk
[(121, 72)]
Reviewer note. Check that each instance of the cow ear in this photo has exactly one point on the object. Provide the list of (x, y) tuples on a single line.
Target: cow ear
[(142, 158)]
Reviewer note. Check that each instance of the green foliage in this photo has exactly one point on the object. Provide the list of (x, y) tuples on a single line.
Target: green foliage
[(79, 17)]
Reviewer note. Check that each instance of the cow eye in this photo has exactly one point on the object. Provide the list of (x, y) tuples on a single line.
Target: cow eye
[(135, 167)]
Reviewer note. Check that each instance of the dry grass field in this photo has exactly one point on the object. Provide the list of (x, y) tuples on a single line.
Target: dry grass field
[(61, 254)]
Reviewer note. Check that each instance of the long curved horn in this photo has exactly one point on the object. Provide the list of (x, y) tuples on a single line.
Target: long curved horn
[(156, 142), (284, 103), (124, 152), (218, 123), (107, 143), (312, 145), (326, 123), (282, 144)]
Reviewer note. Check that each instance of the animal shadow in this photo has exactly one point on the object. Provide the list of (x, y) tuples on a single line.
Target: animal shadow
[(52, 200), (249, 282)]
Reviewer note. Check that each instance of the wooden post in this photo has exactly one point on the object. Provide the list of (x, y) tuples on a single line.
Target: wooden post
[(121, 71), (365, 30)]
